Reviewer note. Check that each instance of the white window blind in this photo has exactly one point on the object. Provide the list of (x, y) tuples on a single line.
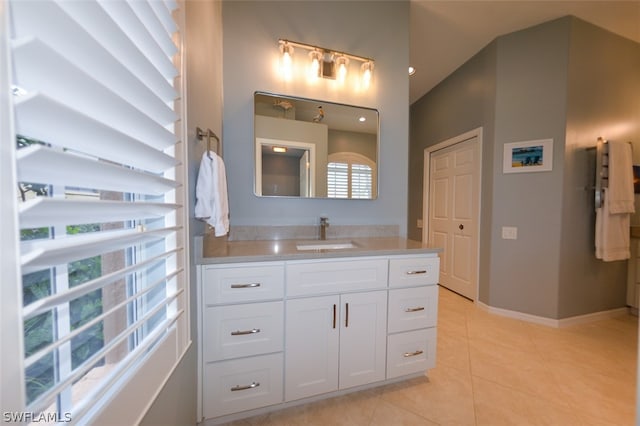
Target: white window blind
[(99, 190), (350, 175), (338, 180)]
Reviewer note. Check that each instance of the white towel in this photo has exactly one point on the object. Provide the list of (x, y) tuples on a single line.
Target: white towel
[(620, 192), (612, 233), (212, 202)]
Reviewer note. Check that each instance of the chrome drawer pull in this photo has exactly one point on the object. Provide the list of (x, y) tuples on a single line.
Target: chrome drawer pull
[(241, 333), (420, 308), (250, 285), (245, 387), (408, 354), (422, 271)]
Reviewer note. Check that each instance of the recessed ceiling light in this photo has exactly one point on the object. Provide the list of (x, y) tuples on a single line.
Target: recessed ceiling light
[(412, 70), (279, 149), (362, 119)]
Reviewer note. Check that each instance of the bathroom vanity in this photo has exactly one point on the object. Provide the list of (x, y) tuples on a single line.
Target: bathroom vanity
[(285, 322)]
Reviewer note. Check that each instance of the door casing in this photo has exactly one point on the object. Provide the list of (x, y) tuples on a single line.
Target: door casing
[(477, 133)]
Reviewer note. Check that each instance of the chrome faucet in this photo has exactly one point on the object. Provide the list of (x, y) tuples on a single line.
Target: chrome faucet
[(324, 224)]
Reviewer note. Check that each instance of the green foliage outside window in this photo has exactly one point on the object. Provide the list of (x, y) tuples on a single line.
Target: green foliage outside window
[(39, 331)]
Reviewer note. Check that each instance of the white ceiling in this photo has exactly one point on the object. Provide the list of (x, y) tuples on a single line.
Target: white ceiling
[(444, 34)]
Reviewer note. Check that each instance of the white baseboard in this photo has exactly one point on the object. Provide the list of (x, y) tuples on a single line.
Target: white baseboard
[(556, 323)]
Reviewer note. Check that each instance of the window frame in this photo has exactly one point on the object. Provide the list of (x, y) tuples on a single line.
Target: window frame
[(351, 158)]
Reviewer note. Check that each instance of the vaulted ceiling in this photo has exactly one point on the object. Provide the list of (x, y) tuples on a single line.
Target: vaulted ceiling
[(444, 34)]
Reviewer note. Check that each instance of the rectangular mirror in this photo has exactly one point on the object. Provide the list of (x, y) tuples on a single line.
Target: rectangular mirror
[(314, 149)]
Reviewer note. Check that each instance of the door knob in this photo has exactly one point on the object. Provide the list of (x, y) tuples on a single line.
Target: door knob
[(461, 226)]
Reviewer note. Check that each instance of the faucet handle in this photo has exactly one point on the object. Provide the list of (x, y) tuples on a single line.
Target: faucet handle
[(324, 221)]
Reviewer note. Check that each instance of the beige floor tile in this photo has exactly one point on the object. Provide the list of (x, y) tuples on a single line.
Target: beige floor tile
[(499, 331), (597, 395), (452, 350), (445, 397), (498, 405), (388, 414), (513, 368), (577, 347)]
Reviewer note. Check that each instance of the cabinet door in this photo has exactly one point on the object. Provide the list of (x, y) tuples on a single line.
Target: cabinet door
[(311, 348), (362, 338)]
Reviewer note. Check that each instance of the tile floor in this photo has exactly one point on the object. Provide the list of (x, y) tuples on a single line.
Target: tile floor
[(492, 371)]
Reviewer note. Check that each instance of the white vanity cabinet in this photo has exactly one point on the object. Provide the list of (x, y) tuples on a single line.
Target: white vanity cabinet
[(413, 315), (273, 333), (241, 331)]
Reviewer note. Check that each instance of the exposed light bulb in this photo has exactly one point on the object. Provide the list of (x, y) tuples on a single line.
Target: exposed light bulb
[(286, 61), (342, 62), (367, 70), (316, 64)]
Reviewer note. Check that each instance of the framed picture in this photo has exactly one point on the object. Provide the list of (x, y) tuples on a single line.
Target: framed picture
[(528, 156)]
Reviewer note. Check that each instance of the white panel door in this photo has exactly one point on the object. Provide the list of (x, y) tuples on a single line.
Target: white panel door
[(311, 348), (454, 199), (363, 334)]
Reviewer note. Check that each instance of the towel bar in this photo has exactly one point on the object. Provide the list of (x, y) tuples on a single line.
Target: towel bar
[(209, 134)]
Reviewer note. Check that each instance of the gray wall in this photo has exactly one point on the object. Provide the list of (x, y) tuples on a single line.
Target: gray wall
[(361, 143), (176, 404), (603, 100), (530, 104), (251, 33), (534, 84), (280, 175)]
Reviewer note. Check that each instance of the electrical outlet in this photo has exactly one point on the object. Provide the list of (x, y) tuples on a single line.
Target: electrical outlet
[(509, 233), (419, 223)]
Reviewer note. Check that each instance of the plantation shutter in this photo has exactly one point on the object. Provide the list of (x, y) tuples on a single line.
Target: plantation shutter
[(338, 180), (361, 181), (96, 89), (347, 177)]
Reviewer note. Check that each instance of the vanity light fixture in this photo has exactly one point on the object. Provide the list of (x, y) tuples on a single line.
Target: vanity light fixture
[(325, 63)]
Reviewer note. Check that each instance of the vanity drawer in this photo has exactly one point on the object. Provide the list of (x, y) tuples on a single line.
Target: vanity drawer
[(412, 308), (335, 276), (242, 330), (242, 384), (411, 352), (246, 283), (412, 271)]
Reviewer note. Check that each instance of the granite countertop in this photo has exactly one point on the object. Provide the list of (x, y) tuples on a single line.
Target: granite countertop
[(214, 252)]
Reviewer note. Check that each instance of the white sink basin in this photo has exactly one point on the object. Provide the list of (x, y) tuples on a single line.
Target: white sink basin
[(325, 245)]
